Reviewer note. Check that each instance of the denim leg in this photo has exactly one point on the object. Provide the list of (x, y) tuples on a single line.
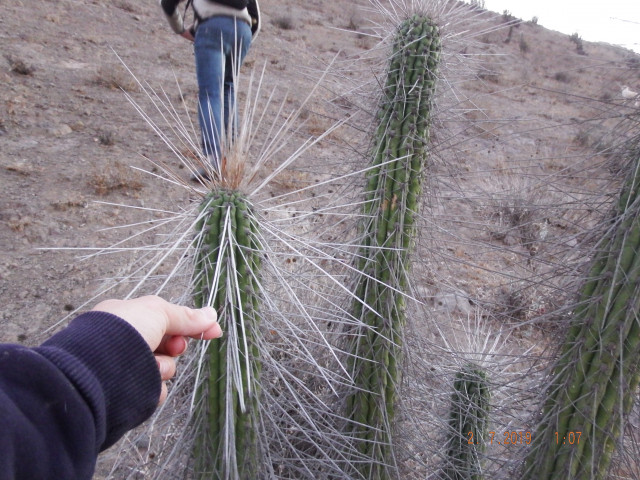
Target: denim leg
[(237, 51), (229, 96), (209, 56), (215, 52)]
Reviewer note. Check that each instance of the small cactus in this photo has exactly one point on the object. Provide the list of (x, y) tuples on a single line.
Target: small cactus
[(226, 277), (468, 421), (391, 206)]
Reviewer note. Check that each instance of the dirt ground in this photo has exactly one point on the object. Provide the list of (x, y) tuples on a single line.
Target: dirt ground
[(515, 98), (68, 135)]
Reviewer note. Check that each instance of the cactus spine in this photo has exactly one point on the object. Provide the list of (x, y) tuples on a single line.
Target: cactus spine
[(594, 380), (468, 424), (226, 277), (392, 190)]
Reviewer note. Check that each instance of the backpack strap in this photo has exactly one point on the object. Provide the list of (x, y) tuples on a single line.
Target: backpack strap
[(187, 5), (196, 18), (254, 11)]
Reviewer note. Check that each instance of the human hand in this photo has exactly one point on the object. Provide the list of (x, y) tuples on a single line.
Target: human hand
[(164, 326), (188, 34)]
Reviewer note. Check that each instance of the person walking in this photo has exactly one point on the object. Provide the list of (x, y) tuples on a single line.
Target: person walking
[(222, 34)]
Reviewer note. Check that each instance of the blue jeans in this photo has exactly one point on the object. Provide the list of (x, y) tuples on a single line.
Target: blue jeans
[(221, 44)]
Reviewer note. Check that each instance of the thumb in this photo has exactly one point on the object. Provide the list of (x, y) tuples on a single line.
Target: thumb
[(196, 323)]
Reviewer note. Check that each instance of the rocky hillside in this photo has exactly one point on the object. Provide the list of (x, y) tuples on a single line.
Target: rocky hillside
[(526, 117)]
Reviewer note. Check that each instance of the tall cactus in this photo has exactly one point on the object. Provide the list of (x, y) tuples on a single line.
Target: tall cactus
[(226, 277), (468, 424), (391, 206), (595, 379)]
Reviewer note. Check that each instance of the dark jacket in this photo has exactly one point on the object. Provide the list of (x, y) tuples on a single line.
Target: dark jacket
[(204, 9), (72, 397)]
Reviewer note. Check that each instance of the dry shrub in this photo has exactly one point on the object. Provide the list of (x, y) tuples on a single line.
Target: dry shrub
[(575, 38), (521, 302), (115, 177), (364, 42), (107, 138), (126, 6), (291, 180), (75, 201), (19, 167), (19, 66), (523, 45), (115, 77), (283, 22), (18, 223), (317, 124), (582, 138), (489, 75), (518, 208)]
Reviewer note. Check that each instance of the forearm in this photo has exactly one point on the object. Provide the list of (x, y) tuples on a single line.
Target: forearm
[(77, 394), (170, 8)]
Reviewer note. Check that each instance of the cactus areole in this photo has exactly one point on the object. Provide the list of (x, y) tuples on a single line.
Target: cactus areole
[(398, 157), (594, 382), (226, 277)]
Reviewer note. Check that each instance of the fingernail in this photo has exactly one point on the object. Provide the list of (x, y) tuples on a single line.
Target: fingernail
[(219, 332)]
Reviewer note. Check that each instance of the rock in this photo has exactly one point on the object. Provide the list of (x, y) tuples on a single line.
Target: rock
[(453, 301), (511, 238), (60, 130)]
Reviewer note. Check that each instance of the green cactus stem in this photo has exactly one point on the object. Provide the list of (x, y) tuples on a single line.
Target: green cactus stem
[(392, 191), (226, 277), (468, 422), (595, 379)]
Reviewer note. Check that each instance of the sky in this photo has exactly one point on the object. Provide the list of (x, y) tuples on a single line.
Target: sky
[(611, 21)]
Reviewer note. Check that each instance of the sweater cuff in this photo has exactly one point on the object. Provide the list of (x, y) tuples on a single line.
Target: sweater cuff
[(176, 22), (112, 366)]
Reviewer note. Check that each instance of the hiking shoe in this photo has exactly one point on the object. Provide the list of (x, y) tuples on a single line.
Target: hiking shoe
[(200, 176)]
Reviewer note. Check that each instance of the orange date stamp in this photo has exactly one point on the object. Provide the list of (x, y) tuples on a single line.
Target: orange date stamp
[(523, 438), (505, 438)]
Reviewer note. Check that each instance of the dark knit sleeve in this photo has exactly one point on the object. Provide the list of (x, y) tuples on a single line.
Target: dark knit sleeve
[(75, 395)]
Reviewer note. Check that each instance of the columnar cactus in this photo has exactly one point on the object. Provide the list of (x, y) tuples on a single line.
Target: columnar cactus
[(468, 424), (595, 379), (392, 192), (226, 277)]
